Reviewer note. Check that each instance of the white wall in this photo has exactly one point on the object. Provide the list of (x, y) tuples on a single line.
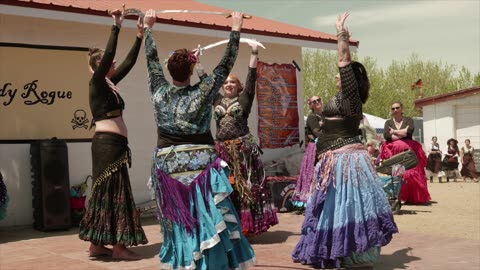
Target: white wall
[(439, 120), (15, 158), (467, 124)]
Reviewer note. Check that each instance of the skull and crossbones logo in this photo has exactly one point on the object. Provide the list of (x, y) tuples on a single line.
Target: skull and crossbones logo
[(80, 119)]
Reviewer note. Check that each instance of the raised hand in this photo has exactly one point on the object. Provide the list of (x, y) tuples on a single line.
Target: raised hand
[(254, 46), (237, 21), (118, 15), (341, 24), (253, 55), (197, 52), (343, 35), (140, 29), (341, 21), (150, 18)]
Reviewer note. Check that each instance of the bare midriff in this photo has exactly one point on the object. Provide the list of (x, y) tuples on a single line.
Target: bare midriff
[(113, 125)]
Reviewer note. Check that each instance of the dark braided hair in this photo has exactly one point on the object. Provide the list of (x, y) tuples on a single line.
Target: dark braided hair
[(180, 65), (362, 80)]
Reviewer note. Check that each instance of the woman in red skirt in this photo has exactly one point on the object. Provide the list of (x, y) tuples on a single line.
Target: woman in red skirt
[(398, 135)]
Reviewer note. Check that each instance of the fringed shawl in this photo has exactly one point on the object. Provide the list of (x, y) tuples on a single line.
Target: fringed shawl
[(176, 200)]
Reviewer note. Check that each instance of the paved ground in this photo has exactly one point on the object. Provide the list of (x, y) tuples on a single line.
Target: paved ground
[(443, 235)]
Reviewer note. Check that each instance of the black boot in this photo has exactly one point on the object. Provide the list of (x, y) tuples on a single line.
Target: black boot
[(440, 179), (431, 179), (448, 180)]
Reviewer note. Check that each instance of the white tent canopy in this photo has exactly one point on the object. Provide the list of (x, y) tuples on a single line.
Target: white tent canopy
[(376, 122)]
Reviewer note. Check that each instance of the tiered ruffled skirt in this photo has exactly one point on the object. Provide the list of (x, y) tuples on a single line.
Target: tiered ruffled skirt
[(251, 196), (201, 229), (414, 188), (348, 217)]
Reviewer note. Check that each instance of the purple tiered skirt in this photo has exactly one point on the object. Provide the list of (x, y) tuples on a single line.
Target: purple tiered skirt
[(348, 217)]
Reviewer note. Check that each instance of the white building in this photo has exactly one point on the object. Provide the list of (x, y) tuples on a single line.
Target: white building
[(83, 24), (453, 115)]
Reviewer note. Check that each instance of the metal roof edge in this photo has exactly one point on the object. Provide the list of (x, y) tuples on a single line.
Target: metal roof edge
[(31, 9), (419, 103)]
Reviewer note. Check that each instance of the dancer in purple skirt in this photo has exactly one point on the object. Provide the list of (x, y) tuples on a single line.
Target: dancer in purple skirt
[(348, 217)]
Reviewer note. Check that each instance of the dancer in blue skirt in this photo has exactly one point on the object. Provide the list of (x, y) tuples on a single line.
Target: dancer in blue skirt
[(201, 229), (348, 217)]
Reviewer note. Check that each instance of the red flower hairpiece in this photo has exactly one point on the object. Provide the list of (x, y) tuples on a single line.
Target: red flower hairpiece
[(192, 58)]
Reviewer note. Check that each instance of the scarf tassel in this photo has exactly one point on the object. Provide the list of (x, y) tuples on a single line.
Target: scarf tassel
[(177, 197)]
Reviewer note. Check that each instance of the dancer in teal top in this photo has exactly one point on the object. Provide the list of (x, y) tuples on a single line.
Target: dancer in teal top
[(201, 229)]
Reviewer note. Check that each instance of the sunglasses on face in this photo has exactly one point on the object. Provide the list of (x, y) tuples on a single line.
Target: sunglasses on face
[(395, 108), (316, 101)]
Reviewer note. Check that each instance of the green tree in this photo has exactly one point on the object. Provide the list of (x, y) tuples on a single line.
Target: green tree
[(476, 80), (389, 85), (319, 71)]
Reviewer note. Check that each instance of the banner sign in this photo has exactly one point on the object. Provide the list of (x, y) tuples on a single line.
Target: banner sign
[(277, 105), (44, 93)]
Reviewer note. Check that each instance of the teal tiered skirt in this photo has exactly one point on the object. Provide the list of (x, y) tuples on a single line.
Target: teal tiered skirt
[(201, 229)]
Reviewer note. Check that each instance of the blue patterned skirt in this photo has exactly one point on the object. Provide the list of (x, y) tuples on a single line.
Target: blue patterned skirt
[(201, 229), (348, 217)]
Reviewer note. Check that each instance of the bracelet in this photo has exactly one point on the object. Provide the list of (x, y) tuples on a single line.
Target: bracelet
[(255, 52), (342, 35)]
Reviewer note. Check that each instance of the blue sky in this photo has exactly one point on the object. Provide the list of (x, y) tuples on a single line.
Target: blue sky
[(437, 30)]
